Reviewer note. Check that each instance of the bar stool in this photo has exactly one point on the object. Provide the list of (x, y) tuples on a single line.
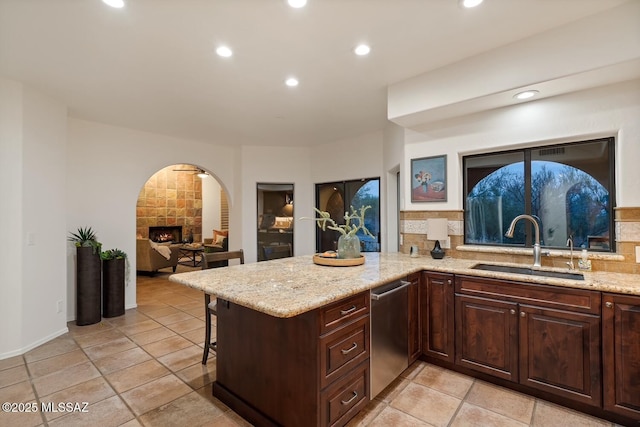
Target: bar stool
[(214, 260)]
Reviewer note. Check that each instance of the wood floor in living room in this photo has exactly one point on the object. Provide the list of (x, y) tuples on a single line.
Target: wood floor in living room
[(144, 368)]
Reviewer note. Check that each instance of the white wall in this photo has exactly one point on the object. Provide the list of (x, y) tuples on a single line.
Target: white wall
[(33, 186), (392, 158), (283, 165), (11, 170), (347, 159), (106, 168), (44, 216), (210, 206), (350, 158), (606, 111)]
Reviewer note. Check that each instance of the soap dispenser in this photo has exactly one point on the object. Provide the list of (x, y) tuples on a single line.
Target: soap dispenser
[(584, 263)]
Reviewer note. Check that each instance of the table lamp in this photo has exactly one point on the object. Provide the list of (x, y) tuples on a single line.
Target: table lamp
[(437, 230)]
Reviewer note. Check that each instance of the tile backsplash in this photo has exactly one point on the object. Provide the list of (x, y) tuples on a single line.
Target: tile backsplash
[(413, 229)]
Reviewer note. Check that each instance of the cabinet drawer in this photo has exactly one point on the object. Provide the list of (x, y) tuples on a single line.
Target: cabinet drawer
[(342, 350), (346, 397), (343, 312), (558, 297)]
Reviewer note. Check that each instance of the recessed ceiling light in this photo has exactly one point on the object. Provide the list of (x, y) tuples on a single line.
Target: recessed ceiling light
[(291, 82), (297, 3), (362, 50), (526, 94), (114, 3), (224, 51), (470, 3)]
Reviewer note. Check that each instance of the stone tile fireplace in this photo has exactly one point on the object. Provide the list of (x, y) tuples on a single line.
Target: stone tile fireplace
[(170, 200)]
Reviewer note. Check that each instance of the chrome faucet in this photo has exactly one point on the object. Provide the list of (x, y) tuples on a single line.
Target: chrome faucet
[(570, 244), (536, 246)]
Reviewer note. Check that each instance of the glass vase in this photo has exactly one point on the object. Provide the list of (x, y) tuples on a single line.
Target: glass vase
[(348, 246)]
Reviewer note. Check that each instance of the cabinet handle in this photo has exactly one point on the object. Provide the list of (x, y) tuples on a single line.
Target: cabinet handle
[(512, 311), (348, 311), (608, 304), (522, 314), (449, 282), (346, 402), (350, 349)]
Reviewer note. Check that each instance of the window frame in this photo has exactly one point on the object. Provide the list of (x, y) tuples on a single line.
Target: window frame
[(526, 151), (343, 184)]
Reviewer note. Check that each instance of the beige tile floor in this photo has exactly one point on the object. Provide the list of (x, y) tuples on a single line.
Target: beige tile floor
[(144, 368)]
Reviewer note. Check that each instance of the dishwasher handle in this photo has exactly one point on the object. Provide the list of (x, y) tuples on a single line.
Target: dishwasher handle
[(403, 284)]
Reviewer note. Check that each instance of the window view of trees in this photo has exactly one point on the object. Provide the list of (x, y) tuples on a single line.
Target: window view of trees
[(491, 203), (337, 198), (369, 195), (566, 200)]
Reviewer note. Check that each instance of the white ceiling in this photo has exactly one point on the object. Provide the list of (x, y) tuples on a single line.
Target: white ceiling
[(152, 66)]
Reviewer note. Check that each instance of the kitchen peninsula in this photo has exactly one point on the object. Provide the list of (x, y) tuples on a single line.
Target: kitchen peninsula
[(286, 328)]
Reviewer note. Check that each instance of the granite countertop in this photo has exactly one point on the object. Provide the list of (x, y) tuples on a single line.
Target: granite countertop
[(290, 286)]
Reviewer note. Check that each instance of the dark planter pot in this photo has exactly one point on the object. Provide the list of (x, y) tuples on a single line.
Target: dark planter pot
[(113, 287), (88, 268)]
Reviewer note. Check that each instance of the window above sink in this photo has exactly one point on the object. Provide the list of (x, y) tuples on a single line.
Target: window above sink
[(569, 189)]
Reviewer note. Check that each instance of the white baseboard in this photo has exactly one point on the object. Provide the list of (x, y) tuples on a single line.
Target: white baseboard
[(33, 345)]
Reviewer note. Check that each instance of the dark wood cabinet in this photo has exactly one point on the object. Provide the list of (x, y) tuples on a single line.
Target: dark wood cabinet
[(621, 354), (486, 338), (437, 316), (341, 350), (343, 399), (560, 352), (308, 370), (575, 347), (415, 349), (543, 337)]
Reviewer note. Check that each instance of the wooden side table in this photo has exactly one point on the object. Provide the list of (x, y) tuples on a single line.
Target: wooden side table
[(192, 253)]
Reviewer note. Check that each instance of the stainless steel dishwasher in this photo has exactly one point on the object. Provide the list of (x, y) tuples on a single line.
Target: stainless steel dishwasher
[(389, 333)]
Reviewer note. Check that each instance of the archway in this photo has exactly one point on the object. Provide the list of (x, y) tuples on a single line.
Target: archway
[(180, 203)]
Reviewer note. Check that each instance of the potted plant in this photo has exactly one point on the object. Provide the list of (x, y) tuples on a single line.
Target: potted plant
[(348, 242), (113, 276), (88, 268)]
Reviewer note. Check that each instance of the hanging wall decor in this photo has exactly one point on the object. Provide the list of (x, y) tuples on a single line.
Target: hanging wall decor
[(429, 179)]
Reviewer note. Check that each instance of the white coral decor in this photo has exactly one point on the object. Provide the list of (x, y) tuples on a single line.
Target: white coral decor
[(348, 228)]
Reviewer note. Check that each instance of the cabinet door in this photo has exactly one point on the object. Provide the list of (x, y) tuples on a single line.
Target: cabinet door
[(560, 353), (414, 317), (621, 354), (437, 316), (486, 338)]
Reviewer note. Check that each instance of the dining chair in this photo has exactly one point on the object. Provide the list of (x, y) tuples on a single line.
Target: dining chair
[(214, 260)]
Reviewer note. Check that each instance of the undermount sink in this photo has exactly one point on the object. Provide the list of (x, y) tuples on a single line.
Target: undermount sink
[(528, 271)]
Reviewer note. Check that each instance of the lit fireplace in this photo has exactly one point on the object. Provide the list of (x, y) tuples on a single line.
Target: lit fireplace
[(167, 233)]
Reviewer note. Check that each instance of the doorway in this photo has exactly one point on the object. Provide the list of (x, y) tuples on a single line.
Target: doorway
[(180, 204), (274, 220)]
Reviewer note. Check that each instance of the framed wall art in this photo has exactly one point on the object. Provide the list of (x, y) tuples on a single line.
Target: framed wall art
[(429, 179)]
